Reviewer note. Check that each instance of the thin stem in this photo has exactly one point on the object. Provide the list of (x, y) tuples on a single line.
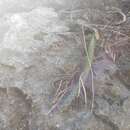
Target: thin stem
[(89, 62), (84, 90)]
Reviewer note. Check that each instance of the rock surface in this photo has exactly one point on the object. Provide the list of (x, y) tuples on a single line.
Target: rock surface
[(39, 48)]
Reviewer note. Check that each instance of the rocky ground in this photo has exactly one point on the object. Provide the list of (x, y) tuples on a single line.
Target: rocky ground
[(42, 48)]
